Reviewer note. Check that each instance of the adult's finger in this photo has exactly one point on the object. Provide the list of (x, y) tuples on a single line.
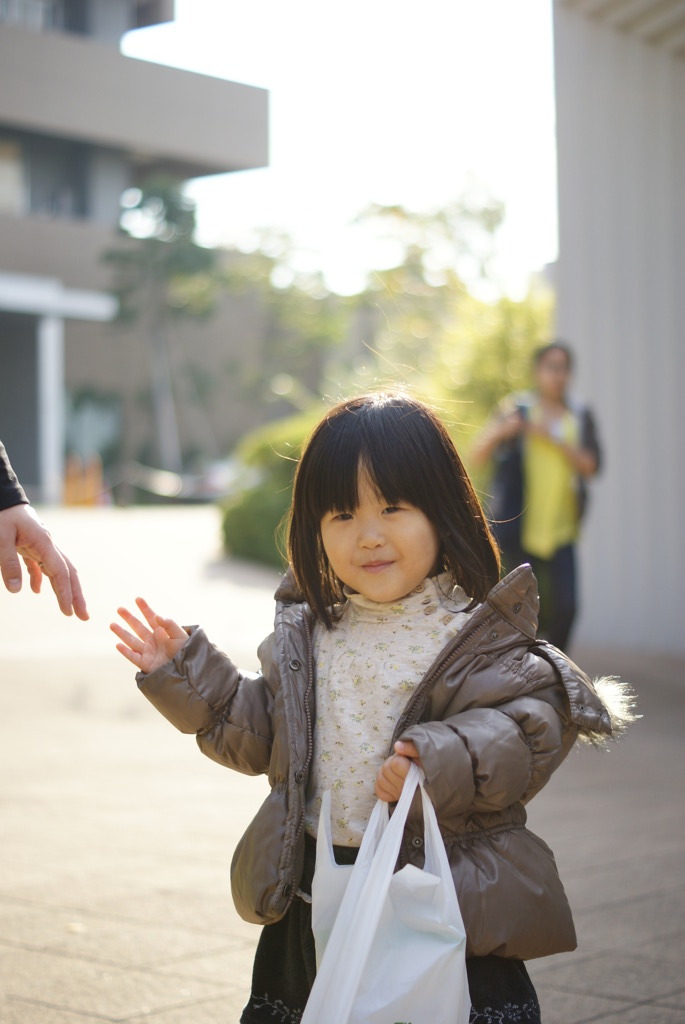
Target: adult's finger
[(61, 574), (78, 601), (34, 543), (64, 580), (10, 566), (35, 574)]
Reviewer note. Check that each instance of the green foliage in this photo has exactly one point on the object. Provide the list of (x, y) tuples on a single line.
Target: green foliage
[(439, 246), (417, 303), (158, 275), (158, 268), (429, 332), (254, 519), (484, 357), (252, 524), (486, 353), (302, 321)]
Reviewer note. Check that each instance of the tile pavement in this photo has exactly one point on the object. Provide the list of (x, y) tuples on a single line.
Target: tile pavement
[(116, 835)]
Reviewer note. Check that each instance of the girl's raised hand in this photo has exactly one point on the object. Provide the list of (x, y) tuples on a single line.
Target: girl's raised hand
[(151, 645)]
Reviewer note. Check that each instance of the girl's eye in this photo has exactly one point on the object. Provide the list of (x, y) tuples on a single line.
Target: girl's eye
[(341, 517), (393, 508)]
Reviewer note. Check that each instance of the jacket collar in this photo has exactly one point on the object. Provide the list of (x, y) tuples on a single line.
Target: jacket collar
[(288, 590), (516, 599)]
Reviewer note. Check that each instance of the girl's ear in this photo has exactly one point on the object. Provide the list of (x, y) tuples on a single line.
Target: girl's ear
[(441, 564)]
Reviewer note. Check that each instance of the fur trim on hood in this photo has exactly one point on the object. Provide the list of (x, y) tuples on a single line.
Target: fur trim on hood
[(602, 708), (620, 702)]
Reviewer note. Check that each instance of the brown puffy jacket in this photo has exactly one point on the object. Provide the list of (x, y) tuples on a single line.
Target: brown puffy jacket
[(494, 716)]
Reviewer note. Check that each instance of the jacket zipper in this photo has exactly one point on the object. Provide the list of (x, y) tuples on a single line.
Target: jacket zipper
[(290, 889), (308, 693), (409, 716)]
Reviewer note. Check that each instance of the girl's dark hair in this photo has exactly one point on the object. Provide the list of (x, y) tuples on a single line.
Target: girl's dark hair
[(410, 457)]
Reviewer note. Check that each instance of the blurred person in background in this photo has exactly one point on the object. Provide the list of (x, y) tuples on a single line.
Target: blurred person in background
[(23, 534), (544, 448)]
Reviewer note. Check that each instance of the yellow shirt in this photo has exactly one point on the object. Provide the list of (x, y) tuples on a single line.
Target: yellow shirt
[(550, 513)]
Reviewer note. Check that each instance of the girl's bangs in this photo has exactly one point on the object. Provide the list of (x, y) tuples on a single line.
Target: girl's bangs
[(333, 474), (397, 474), (394, 464)]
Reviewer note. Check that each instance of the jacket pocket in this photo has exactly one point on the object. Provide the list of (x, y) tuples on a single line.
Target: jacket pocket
[(263, 863)]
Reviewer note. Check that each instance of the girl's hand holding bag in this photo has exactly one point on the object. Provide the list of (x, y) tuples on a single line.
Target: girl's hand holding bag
[(390, 947)]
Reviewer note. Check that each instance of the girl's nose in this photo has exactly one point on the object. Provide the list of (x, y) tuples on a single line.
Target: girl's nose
[(370, 536)]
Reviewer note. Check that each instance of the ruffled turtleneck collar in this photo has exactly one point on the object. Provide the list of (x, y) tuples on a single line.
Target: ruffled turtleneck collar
[(435, 594)]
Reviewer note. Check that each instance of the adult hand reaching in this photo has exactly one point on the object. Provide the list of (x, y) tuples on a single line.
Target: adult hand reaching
[(151, 645), (23, 534)]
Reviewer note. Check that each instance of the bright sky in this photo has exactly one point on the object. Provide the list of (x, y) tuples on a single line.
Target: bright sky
[(378, 101)]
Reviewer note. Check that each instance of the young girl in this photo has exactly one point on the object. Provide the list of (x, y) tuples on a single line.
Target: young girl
[(393, 641)]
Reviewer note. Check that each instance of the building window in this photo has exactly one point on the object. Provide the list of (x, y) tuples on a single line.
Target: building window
[(44, 175), (11, 177), (35, 14), (44, 15), (58, 177)]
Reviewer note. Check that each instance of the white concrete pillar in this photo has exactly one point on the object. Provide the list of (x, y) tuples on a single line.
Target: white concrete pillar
[(621, 305), (50, 346)]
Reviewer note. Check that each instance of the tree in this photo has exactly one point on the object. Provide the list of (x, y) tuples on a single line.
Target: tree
[(454, 242), (438, 323), (160, 274), (485, 355), (443, 256), (304, 320)]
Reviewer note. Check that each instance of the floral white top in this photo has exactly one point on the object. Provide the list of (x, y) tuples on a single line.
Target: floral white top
[(367, 668)]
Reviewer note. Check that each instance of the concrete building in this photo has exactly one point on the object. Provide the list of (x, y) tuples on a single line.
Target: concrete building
[(620, 85), (80, 123)]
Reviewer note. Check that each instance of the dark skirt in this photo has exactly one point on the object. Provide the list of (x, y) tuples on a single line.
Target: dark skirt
[(285, 967)]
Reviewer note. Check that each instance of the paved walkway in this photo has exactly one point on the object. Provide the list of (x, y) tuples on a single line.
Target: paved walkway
[(116, 835)]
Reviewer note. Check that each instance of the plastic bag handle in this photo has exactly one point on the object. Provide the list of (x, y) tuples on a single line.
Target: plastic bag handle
[(361, 907)]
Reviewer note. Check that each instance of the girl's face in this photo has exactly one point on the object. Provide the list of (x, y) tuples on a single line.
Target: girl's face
[(379, 550)]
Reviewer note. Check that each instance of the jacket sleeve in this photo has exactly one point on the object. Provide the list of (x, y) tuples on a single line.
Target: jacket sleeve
[(589, 437), (11, 492), (201, 691), (486, 758)]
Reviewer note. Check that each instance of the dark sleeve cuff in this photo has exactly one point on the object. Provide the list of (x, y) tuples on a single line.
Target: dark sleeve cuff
[(11, 491)]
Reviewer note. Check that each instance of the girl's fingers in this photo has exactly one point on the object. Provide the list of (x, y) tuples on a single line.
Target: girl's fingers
[(150, 614), (400, 767), (406, 749), (173, 630), (133, 642), (129, 654), (147, 646), (138, 627)]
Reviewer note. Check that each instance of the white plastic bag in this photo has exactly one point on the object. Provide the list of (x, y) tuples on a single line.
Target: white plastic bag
[(390, 947)]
